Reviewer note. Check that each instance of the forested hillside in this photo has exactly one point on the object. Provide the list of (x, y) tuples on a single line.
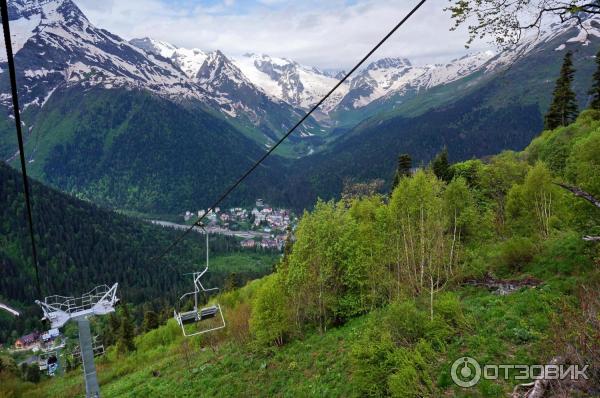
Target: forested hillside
[(476, 116), (133, 150), (81, 245), (379, 295), (464, 127)]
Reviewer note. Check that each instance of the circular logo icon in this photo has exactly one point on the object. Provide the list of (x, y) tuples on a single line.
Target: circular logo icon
[(466, 372)]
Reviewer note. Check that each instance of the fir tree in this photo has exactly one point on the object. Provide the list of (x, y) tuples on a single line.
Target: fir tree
[(126, 332), (150, 321), (563, 109), (595, 90), (403, 170), (441, 166), (114, 326), (231, 282)]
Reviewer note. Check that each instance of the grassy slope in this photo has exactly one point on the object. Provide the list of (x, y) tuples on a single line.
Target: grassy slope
[(500, 329)]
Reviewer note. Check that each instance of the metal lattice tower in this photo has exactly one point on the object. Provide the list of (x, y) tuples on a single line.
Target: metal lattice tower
[(59, 310)]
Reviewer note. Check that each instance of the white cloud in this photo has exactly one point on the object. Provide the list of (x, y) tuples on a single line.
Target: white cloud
[(328, 34)]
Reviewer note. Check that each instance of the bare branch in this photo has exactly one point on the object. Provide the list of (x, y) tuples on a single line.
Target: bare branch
[(580, 193)]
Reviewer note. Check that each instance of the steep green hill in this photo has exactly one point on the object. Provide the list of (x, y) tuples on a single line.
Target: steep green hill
[(476, 116), (135, 151), (81, 245)]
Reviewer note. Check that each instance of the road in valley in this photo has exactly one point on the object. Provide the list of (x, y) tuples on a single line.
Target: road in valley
[(215, 230)]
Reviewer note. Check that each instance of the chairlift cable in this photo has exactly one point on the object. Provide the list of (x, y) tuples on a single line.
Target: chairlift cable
[(17, 114), (282, 139)]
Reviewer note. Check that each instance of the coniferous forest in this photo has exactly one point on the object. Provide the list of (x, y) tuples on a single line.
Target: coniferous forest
[(81, 245)]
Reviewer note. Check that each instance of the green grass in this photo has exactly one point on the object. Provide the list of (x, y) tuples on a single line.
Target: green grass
[(251, 262), (317, 366), (499, 329)]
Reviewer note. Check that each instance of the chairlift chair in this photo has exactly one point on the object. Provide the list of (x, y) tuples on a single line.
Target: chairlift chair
[(199, 314)]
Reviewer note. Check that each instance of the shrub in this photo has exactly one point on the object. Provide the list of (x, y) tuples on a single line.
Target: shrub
[(449, 308), (270, 322), (516, 253), (405, 322), (411, 379), (238, 319)]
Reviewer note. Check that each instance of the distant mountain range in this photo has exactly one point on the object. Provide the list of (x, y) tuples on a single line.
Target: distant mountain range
[(145, 125)]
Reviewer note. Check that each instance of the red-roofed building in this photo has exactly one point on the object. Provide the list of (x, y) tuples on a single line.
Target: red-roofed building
[(27, 341)]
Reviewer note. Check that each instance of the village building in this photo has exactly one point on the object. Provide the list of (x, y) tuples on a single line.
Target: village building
[(28, 341), (248, 244)]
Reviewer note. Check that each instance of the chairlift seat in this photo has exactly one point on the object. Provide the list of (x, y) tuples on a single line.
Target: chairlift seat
[(208, 312), (188, 317)]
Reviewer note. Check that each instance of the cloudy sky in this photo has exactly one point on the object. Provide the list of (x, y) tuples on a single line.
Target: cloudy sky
[(324, 33)]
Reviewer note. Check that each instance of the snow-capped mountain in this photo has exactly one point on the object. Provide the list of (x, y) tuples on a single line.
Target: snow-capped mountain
[(281, 79), (234, 92), (225, 81), (55, 45), (298, 85), (188, 60), (303, 86), (394, 76)]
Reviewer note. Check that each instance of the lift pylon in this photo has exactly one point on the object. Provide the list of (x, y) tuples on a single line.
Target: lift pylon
[(59, 310)]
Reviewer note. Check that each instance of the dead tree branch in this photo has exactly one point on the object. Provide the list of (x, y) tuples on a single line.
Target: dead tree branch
[(580, 193)]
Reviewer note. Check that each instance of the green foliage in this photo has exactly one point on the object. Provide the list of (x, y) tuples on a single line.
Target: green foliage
[(81, 245), (323, 274), (373, 289), (132, 150), (126, 335), (469, 170), (30, 372), (536, 205), (563, 109), (583, 164), (515, 254), (271, 321), (150, 322), (460, 209), (393, 354)]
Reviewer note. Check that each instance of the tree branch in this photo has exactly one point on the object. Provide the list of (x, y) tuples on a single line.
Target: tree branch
[(580, 193), (588, 238)]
